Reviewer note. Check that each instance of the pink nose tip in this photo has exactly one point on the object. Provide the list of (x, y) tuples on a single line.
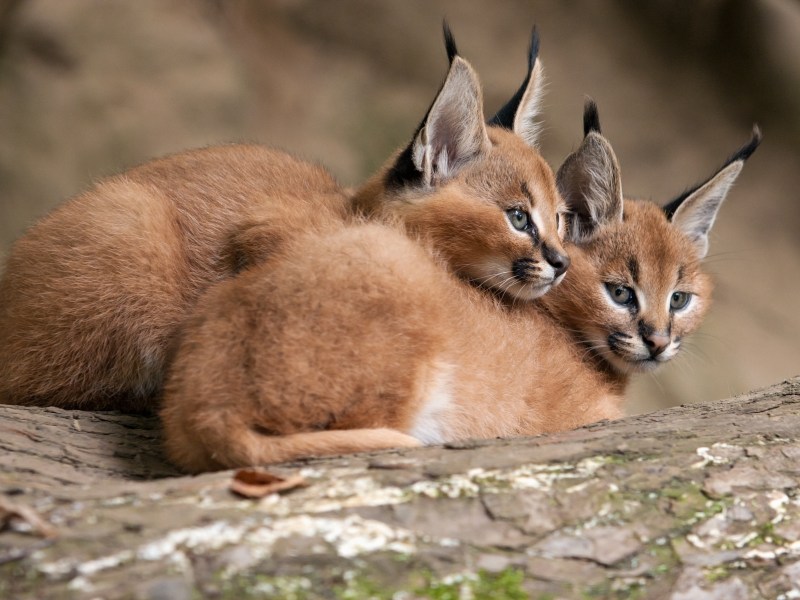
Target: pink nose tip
[(656, 343)]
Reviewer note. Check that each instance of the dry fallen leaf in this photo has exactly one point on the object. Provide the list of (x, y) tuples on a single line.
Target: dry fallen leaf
[(257, 483), (10, 510)]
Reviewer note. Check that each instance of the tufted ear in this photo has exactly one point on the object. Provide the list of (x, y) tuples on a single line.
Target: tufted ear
[(589, 181), (451, 135), (695, 211), (519, 114)]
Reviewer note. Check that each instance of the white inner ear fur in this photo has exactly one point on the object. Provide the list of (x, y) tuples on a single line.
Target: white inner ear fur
[(696, 215), (454, 132), (605, 203), (589, 182), (525, 124)]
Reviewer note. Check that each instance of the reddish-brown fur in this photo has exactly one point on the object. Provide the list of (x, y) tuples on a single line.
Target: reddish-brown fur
[(357, 339), (93, 294), (460, 219), (660, 252), (356, 329)]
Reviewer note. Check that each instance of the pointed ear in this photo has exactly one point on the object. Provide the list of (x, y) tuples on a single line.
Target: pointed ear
[(589, 181), (451, 135), (519, 114), (695, 211)]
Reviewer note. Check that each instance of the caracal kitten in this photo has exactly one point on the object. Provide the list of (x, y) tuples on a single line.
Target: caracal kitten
[(93, 294), (357, 339)]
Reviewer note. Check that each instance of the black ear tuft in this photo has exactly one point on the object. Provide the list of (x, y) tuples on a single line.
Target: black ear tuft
[(449, 41), (533, 48), (505, 116), (591, 118), (742, 154), (745, 151)]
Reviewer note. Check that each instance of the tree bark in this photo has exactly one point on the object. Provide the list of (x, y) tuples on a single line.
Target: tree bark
[(698, 501)]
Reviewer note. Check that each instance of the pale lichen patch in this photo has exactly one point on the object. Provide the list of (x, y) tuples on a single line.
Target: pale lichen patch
[(718, 454)]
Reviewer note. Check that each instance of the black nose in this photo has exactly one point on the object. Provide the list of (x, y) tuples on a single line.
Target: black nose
[(557, 260)]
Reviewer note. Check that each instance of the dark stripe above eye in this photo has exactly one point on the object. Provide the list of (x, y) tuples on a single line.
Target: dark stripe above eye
[(633, 268), (681, 272), (526, 191)]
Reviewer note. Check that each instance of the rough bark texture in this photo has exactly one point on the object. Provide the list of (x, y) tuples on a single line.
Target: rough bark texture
[(698, 501)]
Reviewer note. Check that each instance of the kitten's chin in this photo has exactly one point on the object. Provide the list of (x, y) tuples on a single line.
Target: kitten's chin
[(530, 291), (629, 367), (621, 364)]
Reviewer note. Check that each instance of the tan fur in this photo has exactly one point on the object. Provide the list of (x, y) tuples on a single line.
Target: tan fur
[(362, 329), (660, 253), (464, 221), (356, 329), (93, 294)]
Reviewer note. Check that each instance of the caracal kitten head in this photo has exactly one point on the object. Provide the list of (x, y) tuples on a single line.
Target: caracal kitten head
[(482, 196), (636, 287)]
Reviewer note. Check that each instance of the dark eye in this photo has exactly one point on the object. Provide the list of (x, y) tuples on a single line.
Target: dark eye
[(621, 294), (519, 219), (679, 300)]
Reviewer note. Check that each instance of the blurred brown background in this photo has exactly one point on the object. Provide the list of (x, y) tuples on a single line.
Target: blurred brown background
[(91, 87)]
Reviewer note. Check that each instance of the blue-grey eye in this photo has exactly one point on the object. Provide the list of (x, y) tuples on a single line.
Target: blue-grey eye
[(519, 219), (621, 294), (679, 300)]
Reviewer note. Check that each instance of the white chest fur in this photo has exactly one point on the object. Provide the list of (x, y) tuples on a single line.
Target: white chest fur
[(430, 426)]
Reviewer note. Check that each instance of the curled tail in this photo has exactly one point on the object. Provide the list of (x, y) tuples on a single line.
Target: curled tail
[(241, 446)]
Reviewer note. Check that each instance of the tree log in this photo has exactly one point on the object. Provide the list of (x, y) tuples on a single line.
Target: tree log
[(698, 501)]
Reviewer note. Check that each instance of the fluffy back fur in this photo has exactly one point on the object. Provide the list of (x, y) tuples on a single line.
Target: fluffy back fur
[(358, 339), (93, 294)]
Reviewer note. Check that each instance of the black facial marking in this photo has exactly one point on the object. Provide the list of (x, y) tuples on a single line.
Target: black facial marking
[(523, 269), (617, 342), (633, 268), (646, 330), (534, 233), (526, 191)]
